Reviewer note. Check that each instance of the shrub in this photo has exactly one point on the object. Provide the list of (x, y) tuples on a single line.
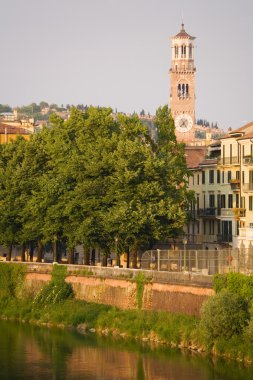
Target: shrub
[(223, 315), (236, 283)]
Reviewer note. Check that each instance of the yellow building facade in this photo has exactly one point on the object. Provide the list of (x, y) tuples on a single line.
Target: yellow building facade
[(222, 214)]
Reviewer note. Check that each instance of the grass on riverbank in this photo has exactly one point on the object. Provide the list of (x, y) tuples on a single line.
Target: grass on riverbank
[(55, 306)]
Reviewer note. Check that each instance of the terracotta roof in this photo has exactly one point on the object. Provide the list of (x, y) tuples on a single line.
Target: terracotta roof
[(246, 136), (244, 130), (12, 130), (183, 34), (195, 155), (209, 161)]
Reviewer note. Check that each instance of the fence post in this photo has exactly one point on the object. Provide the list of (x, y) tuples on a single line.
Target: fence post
[(158, 260)]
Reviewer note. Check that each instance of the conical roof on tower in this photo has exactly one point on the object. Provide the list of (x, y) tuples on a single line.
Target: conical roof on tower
[(183, 34)]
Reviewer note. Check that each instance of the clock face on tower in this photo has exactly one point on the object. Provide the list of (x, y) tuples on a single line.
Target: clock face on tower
[(183, 122)]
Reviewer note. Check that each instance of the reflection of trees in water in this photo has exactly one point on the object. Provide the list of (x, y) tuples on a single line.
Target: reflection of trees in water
[(30, 350)]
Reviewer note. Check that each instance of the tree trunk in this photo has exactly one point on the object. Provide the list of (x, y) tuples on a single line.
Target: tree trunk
[(23, 252), (31, 252), (8, 257), (40, 251), (104, 260), (128, 257), (71, 255), (134, 256), (86, 255), (56, 251)]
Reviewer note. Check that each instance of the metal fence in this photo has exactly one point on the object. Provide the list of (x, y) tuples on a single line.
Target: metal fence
[(199, 261)]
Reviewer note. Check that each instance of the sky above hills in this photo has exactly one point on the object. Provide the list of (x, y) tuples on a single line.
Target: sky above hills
[(117, 53)]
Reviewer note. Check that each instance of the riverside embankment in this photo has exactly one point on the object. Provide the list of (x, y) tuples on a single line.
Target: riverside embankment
[(129, 288), (147, 306)]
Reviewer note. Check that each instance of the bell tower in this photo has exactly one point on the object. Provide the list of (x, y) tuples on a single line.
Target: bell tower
[(182, 84)]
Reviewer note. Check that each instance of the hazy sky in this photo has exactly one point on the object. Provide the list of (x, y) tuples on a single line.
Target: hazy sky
[(117, 53)]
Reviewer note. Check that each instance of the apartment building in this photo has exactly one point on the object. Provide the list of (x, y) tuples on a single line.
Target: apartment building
[(222, 215)]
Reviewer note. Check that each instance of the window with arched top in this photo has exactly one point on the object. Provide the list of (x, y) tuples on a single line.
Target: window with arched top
[(190, 51), (183, 51), (183, 90), (176, 51), (179, 90), (187, 90)]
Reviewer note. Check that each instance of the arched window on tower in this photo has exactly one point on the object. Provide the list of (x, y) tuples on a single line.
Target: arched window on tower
[(187, 90), (176, 51), (179, 90), (183, 90), (183, 51), (190, 51)]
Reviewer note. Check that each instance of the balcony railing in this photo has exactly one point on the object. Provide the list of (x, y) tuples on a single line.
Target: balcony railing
[(246, 232), (225, 238), (228, 161), (235, 184), (248, 160), (207, 212), (239, 213), (247, 187), (226, 212)]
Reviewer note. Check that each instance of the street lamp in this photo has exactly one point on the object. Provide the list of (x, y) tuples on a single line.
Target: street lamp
[(184, 242)]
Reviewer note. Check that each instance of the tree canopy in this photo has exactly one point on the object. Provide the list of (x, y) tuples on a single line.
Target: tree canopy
[(91, 179)]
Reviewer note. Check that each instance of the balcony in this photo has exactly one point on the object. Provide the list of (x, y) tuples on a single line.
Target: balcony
[(225, 238), (239, 213), (235, 184), (248, 160), (246, 233), (209, 212), (210, 238), (226, 161), (247, 188), (226, 213)]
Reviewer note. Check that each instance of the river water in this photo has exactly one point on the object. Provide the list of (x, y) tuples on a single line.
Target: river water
[(31, 352)]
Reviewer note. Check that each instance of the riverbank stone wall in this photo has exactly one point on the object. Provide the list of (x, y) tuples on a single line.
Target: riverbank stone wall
[(167, 291)]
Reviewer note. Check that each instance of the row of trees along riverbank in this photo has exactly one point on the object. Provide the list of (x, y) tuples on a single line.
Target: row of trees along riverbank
[(91, 179)]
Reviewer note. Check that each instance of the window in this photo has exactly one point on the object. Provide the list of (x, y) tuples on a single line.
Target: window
[(230, 200), (193, 179), (237, 174), (218, 203), (223, 201), (211, 200), (211, 176), (251, 203), (230, 151), (237, 227), (198, 179), (203, 178), (183, 51), (218, 176), (237, 201), (229, 175), (243, 177), (179, 90), (242, 202), (176, 51), (223, 177)]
